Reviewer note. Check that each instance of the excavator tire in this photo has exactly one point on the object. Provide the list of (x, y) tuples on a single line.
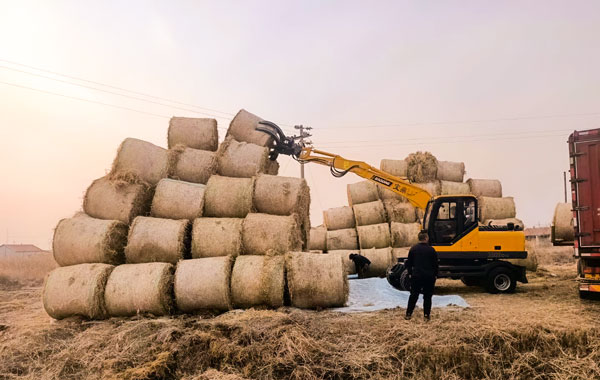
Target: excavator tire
[(397, 276)]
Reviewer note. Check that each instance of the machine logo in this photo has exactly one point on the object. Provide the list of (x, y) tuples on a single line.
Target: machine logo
[(381, 180)]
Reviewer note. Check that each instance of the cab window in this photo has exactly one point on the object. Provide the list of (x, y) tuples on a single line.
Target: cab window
[(445, 226)]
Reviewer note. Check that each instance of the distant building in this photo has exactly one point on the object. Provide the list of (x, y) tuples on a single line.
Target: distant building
[(537, 233), (20, 250)]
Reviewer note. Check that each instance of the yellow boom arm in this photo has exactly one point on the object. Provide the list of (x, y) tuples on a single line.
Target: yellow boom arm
[(417, 196)]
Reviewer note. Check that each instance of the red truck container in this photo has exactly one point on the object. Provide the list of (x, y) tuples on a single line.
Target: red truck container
[(584, 152)]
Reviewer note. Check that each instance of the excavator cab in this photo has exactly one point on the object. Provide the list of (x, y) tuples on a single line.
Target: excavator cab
[(449, 218)]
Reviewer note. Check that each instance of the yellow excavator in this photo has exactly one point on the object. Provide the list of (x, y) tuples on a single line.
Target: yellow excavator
[(467, 251)]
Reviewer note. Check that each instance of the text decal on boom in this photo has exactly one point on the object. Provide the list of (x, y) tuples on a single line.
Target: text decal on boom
[(381, 180)]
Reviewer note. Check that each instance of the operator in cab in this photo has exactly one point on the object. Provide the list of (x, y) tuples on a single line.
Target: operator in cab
[(422, 267)]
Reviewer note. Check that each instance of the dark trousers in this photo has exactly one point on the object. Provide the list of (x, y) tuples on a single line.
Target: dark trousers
[(420, 285)]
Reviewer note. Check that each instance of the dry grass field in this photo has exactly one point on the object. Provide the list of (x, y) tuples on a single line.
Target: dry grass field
[(543, 331)]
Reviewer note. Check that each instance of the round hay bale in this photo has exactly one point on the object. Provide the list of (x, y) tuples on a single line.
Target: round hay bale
[(362, 192), (374, 236), (266, 234), (503, 222), (272, 167), (454, 188), (339, 218), (140, 161), (342, 239), (116, 200), (76, 290), (485, 187), (369, 213), (450, 171), (243, 128), (156, 240), (318, 238), (530, 263), (194, 165), (178, 200), (241, 159), (405, 234), (399, 253), (421, 167), (197, 133), (258, 280), (83, 239), (496, 208), (433, 188), (381, 259), (399, 212), (213, 237), (316, 281), (396, 168), (203, 284), (344, 254), (564, 230), (387, 194), (227, 197), (140, 288)]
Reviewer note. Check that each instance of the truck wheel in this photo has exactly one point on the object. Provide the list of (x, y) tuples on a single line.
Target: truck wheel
[(471, 281), (501, 280), (397, 276)]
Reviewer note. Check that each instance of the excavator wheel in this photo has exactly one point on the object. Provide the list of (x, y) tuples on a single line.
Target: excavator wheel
[(397, 276)]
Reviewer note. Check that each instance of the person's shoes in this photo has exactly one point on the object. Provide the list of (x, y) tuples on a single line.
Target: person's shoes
[(408, 317), (427, 318)]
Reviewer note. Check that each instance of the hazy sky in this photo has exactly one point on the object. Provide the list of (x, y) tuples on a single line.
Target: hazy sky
[(497, 85)]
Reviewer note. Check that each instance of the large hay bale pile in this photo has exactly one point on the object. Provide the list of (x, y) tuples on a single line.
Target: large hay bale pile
[(264, 234), (342, 239), (374, 236), (76, 290), (381, 259), (405, 234), (563, 222), (139, 160), (242, 159), (156, 240), (362, 192), (399, 212), (316, 281), (213, 237), (369, 213), (318, 239), (421, 167), (485, 187), (178, 200), (258, 280), (140, 288), (227, 197), (243, 128), (496, 208), (197, 133), (203, 284), (193, 165), (339, 218), (116, 200), (83, 239), (450, 171)]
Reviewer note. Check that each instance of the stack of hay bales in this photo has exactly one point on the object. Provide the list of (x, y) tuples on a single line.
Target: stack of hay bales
[(197, 226)]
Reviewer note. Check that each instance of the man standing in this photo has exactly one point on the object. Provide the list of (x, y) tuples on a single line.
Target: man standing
[(422, 267)]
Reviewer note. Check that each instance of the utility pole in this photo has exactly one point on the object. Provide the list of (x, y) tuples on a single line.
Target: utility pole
[(303, 134)]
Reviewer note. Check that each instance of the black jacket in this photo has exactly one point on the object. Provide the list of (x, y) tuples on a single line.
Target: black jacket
[(422, 261), (359, 260)]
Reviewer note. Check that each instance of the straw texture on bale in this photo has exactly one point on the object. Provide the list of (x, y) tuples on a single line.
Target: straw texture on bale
[(530, 262), (258, 280), (178, 200), (344, 254), (362, 192), (194, 165), (454, 188), (563, 222), (318, 239), (450, 171), (316, 281), (140, 288), (433, 188), (504, 222), (421, 167), (83, 239), (369, 213), (405, 234), (156, 240), (399, 253), (197, 133), (397, 168), (141, 161), (227, 197), (485, 187), (339, 218), (496, 208), (203, 284), (264, 234), (387, 194), (400, 212), (243, 128), (241, 159), (381, 259), (342, 239), (374, 236), (76, 290), (213, 237), (116, 200)]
